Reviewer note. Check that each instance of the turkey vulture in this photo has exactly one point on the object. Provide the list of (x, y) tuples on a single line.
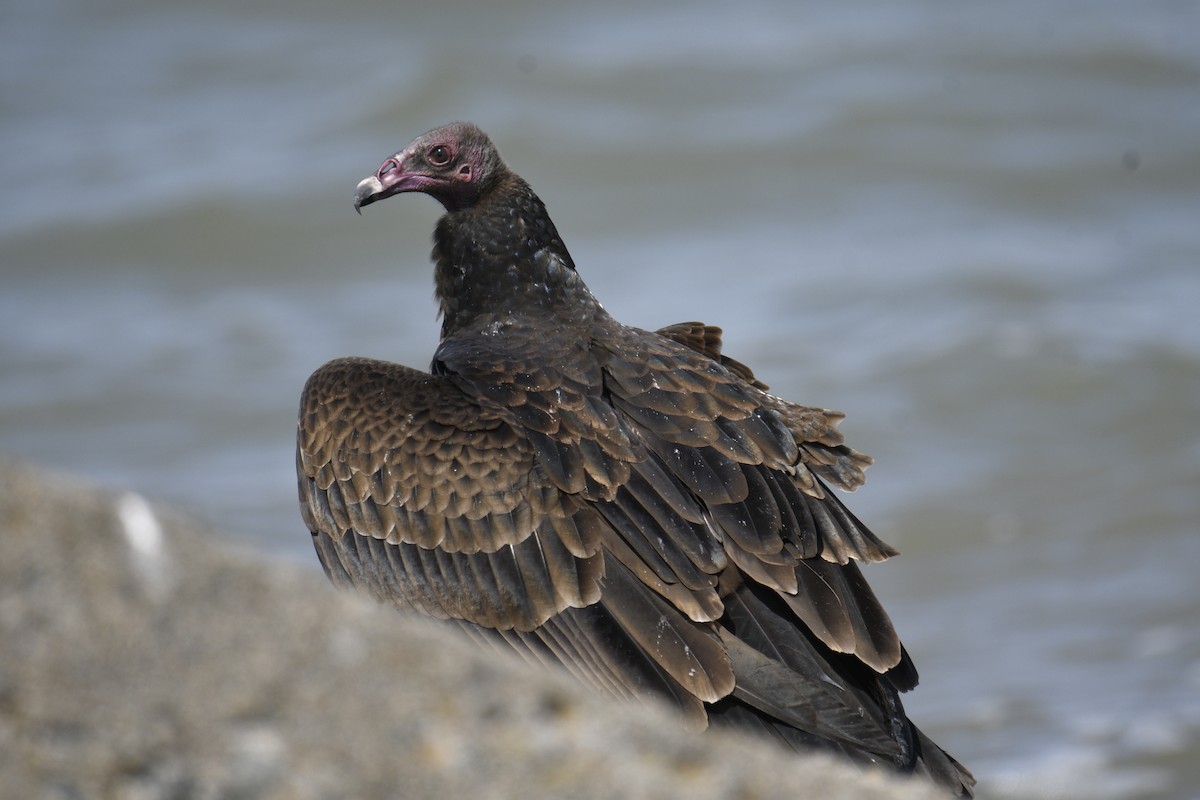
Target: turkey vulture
[(632, 505)]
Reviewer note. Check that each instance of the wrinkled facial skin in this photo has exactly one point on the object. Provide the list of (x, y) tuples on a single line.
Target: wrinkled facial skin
[(443, 164)]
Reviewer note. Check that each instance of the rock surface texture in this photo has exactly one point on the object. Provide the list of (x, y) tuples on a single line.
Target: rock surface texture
[(143, 657)]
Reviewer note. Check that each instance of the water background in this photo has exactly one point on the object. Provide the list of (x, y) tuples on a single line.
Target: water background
[(973, 227)]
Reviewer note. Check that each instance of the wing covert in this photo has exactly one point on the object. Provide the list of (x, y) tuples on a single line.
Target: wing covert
[(423, 496)]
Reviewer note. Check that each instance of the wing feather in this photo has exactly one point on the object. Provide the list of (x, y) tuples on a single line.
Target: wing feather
[(622, 520), (450, 539)]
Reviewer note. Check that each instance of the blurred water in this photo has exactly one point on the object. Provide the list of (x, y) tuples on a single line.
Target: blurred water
[(972, 227)]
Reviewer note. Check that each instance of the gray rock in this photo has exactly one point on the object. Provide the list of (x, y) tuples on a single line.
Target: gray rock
[(144, 657)]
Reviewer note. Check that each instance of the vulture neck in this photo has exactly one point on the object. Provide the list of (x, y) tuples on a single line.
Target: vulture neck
[(501, 261)]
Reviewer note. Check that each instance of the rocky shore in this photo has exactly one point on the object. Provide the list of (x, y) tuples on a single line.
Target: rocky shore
[(144, 656)]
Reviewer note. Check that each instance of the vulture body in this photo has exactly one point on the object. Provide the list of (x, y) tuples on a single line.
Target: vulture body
[(631, 505)]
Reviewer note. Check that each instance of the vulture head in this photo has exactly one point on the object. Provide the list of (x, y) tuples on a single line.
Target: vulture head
[(454, 164)]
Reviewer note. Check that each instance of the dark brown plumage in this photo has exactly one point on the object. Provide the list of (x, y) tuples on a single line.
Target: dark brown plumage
[(633, 505)]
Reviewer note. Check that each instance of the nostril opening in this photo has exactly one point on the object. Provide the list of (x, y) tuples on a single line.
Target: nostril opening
[(388, 166)]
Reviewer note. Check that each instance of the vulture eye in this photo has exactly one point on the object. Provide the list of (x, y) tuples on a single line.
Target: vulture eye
[(439, 155)]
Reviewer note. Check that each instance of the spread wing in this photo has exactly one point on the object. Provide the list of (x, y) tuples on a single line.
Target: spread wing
[(648, 516), (418, 494)]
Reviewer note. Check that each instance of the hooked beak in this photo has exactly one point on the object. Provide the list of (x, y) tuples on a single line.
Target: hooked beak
[(368, 191), (391, 178)]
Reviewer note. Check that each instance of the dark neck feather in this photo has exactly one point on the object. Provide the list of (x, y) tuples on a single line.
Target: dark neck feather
[(503, 260)]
